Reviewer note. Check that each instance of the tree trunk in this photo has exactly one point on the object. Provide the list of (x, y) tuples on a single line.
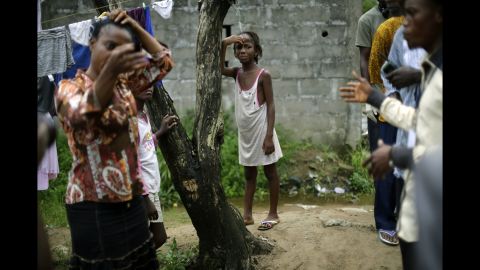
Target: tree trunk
[(224, 241)]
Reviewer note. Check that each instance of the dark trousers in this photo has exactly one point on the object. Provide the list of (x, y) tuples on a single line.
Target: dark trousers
[(388, 189), (372, 134), (408, 254)]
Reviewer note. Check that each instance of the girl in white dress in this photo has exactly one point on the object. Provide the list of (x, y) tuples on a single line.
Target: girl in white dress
[(255, 115)]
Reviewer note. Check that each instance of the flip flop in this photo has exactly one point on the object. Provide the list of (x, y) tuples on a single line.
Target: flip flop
[(267, 225), (388, 237)]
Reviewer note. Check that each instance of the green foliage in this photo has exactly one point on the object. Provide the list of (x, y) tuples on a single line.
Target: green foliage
[(187, 121), (52, 201), (60, 258), (361, 181), (168, 194), (368, 4), (176, 259)]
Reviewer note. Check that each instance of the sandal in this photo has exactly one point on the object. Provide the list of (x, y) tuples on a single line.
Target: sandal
[(388, 237), (267, 225)]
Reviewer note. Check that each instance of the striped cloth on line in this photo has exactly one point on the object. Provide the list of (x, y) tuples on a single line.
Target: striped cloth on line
[(54, 49)]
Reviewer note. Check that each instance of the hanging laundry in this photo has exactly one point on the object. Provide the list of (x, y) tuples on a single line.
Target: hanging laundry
[(45, 91), (163, 8), (54, 51), (80, 32), (81, 54), (148, 22), (81, 51), (138, 14), (48, 168)]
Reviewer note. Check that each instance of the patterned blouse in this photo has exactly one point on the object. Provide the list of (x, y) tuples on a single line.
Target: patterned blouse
[(382, 41), (103, 142)]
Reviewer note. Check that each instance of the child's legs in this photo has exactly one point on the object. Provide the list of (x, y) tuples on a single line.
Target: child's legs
[(250, 186), (159, 233), (274, 186)]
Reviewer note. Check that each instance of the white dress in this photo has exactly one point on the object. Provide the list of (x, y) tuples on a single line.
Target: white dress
[(252, 127)]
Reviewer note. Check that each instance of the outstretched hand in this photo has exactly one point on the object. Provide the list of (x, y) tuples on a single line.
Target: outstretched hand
[(356, 91)]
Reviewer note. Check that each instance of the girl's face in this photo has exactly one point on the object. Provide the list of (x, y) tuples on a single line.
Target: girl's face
[(423, 23), (110, 37), (245, 52)]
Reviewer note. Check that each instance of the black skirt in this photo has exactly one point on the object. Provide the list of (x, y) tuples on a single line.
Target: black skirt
[(111, 236)]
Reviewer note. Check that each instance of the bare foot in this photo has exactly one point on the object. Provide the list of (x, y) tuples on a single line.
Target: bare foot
[(273, 217), (248, 220)]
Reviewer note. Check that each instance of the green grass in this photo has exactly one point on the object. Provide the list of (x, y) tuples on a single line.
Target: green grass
[(175, 216), (51, 201), (175, 258), (361, 182)]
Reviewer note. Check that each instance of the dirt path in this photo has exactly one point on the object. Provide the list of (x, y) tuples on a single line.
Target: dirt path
[(319, 237), (304, 242)]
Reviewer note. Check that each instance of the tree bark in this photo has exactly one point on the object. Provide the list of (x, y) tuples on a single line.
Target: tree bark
[(224, 241)]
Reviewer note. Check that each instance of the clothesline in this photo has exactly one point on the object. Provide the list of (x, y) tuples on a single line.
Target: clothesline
[(62, 50), (89, 10)]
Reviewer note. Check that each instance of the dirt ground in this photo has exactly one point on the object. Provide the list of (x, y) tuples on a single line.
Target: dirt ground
[(330, 236), (324, 234), (318, 237)]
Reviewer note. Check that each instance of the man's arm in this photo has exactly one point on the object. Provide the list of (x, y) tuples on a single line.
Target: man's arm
[(364, 58), (402, 157), (392, 110)]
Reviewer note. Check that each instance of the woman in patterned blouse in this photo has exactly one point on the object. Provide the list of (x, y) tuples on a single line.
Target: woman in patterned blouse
[(97, 110)]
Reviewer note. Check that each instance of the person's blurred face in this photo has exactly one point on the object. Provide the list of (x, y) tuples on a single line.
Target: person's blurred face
[(144, 95), (109, 37), (382, 6), (423, 24), (394, 8)]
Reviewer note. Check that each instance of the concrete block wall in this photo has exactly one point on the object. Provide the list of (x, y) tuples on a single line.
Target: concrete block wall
[(308, 47)]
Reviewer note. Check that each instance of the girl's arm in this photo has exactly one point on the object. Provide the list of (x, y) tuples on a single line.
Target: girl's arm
[(268, 146), (148, 42), (228, 71)]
